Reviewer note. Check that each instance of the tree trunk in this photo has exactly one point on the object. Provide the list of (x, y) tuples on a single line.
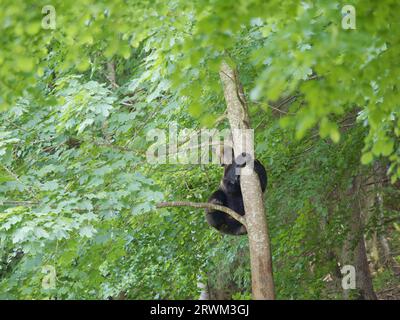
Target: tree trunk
[(204, 292), (386, 255), (259, 243), (354, 252)]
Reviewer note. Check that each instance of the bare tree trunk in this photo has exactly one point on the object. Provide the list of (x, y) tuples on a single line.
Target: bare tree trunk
[(204, 293), (259, 243), (354, 252), (386, 254), (373, 249), (388, 259), (372, 245), (363, 274), (111, 74)]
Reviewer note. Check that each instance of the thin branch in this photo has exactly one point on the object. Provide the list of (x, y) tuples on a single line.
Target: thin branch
[(286, 101), (314, 77), (220, 118), (277, 106), (376, 182), (204, 205)]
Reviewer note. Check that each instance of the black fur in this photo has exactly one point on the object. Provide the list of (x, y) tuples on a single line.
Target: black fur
[(229, 195)]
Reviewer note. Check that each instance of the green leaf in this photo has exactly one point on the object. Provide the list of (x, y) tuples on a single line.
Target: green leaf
[(87, 231), (367, 158)]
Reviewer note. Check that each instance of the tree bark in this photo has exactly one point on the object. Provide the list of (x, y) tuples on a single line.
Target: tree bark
[(204, 292), (257, 228), (386, 255), (354, 252), (111, 74), (204, 205)]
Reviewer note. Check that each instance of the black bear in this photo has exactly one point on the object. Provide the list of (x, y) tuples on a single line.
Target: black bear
[(229, 195)]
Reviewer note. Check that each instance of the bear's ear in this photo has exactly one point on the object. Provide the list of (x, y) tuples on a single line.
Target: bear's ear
[(243, 159)]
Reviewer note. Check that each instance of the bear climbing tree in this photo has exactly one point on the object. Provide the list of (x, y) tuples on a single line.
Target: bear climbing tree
[(255, 219)]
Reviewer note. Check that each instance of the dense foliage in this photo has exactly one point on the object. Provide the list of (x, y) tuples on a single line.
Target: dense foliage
[(77, 195)]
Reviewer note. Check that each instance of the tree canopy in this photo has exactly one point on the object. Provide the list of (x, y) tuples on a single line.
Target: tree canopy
[(83, 83)]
